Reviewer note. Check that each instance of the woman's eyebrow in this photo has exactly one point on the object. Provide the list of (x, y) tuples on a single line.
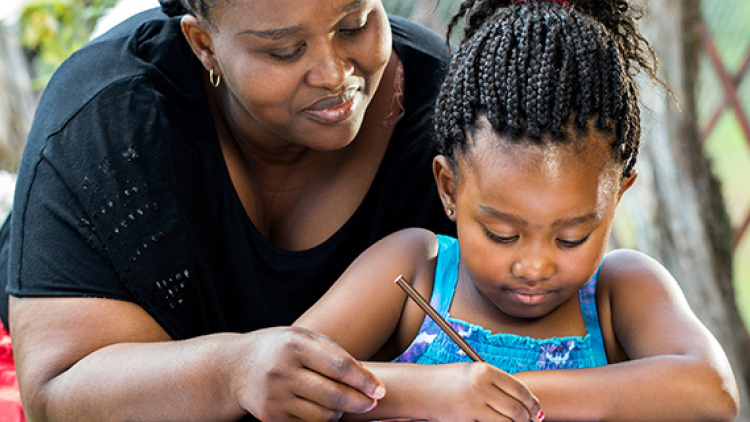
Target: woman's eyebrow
[(273, 34), (352, 5)]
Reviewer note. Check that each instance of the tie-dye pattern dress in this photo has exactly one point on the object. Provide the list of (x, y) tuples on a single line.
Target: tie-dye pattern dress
[(509, 352)]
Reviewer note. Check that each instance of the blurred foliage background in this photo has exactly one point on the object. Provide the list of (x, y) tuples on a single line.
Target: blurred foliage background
[(51, 30), (726, 144)]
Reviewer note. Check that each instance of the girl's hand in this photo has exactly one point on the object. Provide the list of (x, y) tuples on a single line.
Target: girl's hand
[(478, 392), (297, 374)]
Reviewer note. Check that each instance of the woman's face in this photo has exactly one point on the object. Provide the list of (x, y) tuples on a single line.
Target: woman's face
[(300, 71), (533, 221)]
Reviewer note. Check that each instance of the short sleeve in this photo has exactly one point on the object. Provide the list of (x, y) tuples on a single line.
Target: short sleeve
[(54, 247)]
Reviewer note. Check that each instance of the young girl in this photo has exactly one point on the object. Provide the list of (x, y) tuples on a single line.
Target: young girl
[(538, 130)]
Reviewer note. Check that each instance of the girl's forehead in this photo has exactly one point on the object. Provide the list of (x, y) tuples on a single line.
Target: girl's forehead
[(488, 149), (543, 180)]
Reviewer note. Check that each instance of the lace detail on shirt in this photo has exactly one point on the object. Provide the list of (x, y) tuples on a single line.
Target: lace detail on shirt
[(397, 102)]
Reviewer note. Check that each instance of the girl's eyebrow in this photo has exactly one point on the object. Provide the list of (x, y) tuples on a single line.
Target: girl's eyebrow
[(276, 34), (568, 221), (502, 215), (573, 221)]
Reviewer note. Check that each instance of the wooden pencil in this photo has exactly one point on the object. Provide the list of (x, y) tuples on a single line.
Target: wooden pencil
[(439, 320)]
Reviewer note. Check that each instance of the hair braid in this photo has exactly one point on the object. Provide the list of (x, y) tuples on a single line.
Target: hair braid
[(549, 57), (200, 8)]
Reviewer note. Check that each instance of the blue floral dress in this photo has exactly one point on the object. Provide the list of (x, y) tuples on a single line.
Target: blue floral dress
[(509, 352)]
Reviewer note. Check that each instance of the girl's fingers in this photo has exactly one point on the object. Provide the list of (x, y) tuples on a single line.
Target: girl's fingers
[(523, 406)]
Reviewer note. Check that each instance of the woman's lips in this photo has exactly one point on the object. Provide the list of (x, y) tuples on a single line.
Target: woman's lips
[(334, 110)]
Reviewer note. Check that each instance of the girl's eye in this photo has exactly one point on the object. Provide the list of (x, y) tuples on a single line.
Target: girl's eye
[(570, 244), (503, 240), (284, 57)]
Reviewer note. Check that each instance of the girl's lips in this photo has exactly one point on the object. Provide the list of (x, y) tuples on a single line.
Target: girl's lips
[(529, 298), (333, 110)]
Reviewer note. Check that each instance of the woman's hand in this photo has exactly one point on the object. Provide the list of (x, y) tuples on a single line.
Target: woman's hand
[(453, 392), (297, 374)]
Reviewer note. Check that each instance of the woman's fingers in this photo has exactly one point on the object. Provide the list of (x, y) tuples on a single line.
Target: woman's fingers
[(335, 363), (296, 373)]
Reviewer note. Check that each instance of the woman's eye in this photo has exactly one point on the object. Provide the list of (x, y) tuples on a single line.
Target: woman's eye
[(504, 240), (287, 56), (569, 244), (350, 32)]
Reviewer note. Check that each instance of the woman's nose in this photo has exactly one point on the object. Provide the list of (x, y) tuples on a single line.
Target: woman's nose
[(329, 69)]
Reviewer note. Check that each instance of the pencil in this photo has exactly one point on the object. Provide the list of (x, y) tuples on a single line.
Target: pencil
[(440, 321)]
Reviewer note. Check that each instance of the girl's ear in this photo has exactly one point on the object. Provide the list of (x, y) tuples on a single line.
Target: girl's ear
[(199, 39), (626, 184), (446, 184)]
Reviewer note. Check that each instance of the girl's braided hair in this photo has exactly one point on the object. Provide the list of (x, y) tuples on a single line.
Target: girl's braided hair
[(201, 8), (543, 67)]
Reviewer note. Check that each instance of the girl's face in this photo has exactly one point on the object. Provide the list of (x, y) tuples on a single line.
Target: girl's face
[(299, 71), (533, 221)]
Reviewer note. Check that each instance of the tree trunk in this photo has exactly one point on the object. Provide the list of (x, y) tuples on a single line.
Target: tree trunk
[(17, 101), (676, 207)]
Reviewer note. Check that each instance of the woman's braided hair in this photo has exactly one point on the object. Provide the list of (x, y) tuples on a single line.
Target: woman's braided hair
[(541, 67)]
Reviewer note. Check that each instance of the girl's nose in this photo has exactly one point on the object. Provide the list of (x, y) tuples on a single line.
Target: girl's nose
[(534, 268)]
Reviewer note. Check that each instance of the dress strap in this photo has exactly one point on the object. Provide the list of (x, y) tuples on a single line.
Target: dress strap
[(587, 298), (446, 274)]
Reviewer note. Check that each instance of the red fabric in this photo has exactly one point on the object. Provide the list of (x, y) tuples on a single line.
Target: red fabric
[(10, 398)]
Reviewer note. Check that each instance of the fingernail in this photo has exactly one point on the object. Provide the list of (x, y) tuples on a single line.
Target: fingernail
[(379, 393)]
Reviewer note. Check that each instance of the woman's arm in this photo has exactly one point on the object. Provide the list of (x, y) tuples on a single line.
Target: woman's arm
[(675, 368), (81, 359)]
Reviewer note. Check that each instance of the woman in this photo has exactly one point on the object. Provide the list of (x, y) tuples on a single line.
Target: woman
[(191, 181)]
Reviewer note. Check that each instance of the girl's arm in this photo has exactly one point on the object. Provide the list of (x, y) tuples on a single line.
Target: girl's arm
[(675, 368), (366, 310), (368, 314)]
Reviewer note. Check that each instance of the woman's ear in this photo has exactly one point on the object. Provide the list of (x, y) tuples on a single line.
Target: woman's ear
[(199, 38), (446, 184)]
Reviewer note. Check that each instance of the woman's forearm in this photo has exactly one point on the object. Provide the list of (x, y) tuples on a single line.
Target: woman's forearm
[(182, 380)]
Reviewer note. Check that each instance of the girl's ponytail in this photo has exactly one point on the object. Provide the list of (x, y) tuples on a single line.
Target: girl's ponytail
[(173, 7)]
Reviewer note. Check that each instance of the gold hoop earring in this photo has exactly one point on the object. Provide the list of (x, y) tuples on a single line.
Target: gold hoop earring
[(213, 78)]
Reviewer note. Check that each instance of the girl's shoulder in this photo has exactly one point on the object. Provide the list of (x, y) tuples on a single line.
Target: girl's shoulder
[(632, 289), (411, 244), (626, 268)]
